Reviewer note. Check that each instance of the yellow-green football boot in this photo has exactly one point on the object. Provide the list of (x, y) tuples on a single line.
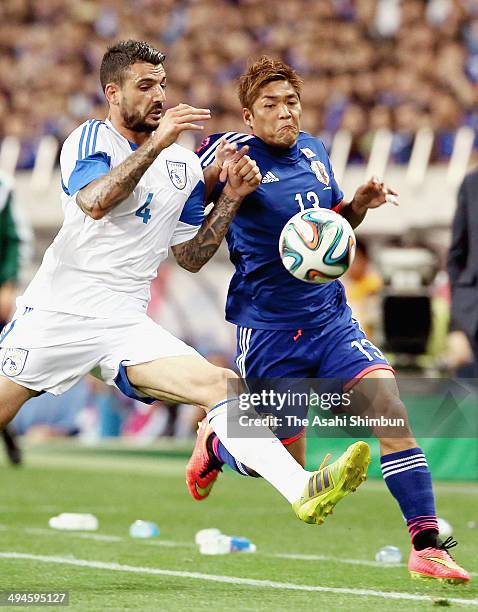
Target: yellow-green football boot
[(331, 483)]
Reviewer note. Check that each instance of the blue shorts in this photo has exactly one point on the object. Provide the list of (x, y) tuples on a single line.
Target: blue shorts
[(340, 351)]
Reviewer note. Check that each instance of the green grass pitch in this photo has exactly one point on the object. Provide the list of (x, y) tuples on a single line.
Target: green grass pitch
[(109, 570)]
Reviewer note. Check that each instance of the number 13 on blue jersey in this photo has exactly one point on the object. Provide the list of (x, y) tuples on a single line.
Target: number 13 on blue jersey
[(143, 211)]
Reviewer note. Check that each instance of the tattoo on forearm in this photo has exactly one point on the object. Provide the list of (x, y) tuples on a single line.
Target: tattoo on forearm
[(103, 194), (192, 255)]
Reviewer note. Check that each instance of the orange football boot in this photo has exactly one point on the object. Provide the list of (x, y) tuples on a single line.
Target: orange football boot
[(437, 563), (202, 470)]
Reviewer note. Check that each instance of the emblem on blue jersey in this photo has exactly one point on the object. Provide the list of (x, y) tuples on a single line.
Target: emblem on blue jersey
[(308, 152), (177, 173), (13, 361), (320, 171)]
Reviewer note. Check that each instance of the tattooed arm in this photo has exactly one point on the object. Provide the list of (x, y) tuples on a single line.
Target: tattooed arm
[(194, 253), (102, 195), (243, 177)]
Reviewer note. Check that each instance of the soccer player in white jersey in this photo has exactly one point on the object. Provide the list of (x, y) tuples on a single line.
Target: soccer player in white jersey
[(130, 194)]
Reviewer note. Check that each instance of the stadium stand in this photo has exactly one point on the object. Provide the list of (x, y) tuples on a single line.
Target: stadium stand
[(369, 64)]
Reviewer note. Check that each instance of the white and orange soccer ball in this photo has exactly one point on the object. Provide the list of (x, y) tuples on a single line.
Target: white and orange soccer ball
[(317, 245)]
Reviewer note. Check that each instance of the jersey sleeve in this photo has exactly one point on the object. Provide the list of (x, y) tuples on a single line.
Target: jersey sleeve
[(337, 193), (207, 154), (192, 214), (85, 156), (207, 149)]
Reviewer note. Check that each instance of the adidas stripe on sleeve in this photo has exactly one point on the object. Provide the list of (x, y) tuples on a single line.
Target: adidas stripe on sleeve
[(207, 153), (207, 149), (86, 155)]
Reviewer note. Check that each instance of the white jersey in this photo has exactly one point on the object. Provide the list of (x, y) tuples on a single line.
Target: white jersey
[(99, 268)]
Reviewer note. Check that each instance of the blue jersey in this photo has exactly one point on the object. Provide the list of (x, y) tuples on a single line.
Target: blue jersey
[(262, 294)]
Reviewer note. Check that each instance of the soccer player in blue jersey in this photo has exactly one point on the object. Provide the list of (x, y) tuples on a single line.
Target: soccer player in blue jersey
[(290, 329)]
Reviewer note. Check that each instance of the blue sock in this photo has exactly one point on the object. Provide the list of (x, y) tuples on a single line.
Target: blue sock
[(408, 479), (224, 456)]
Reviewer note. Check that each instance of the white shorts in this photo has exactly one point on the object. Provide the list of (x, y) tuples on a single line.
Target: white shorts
[(51, 351)]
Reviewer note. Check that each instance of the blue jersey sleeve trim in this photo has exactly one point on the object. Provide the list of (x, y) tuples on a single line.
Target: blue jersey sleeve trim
[(64, 187), (87, 170), (193, 210)]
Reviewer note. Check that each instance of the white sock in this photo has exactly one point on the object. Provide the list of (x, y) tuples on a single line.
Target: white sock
[(263, 453)]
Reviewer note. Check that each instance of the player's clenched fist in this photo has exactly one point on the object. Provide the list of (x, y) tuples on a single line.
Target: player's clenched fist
[(177, 120), (242, 173)]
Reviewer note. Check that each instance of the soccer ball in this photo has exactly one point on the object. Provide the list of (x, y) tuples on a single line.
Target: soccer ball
[(317, 245)]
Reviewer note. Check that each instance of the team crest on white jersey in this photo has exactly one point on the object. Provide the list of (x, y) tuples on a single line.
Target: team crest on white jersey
[(177, 173), (13, 361), (308, 152), (320, 171)]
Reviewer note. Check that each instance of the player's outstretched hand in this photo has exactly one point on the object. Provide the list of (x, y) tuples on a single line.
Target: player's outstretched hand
[(177, 120), (374, 194), (242, 172)]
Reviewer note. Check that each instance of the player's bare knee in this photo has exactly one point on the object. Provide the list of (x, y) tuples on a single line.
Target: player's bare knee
[(12, 398), (394, 417), (393, 407), (225, 384)]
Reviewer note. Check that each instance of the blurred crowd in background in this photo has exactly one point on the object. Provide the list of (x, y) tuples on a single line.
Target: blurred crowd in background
[(367, 64)]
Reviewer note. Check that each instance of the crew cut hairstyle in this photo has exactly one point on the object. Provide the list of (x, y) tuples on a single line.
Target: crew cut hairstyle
[(262, 72), (119, 57)]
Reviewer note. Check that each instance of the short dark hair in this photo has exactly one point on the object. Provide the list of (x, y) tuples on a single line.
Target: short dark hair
[(262, 72), (122, 55)]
